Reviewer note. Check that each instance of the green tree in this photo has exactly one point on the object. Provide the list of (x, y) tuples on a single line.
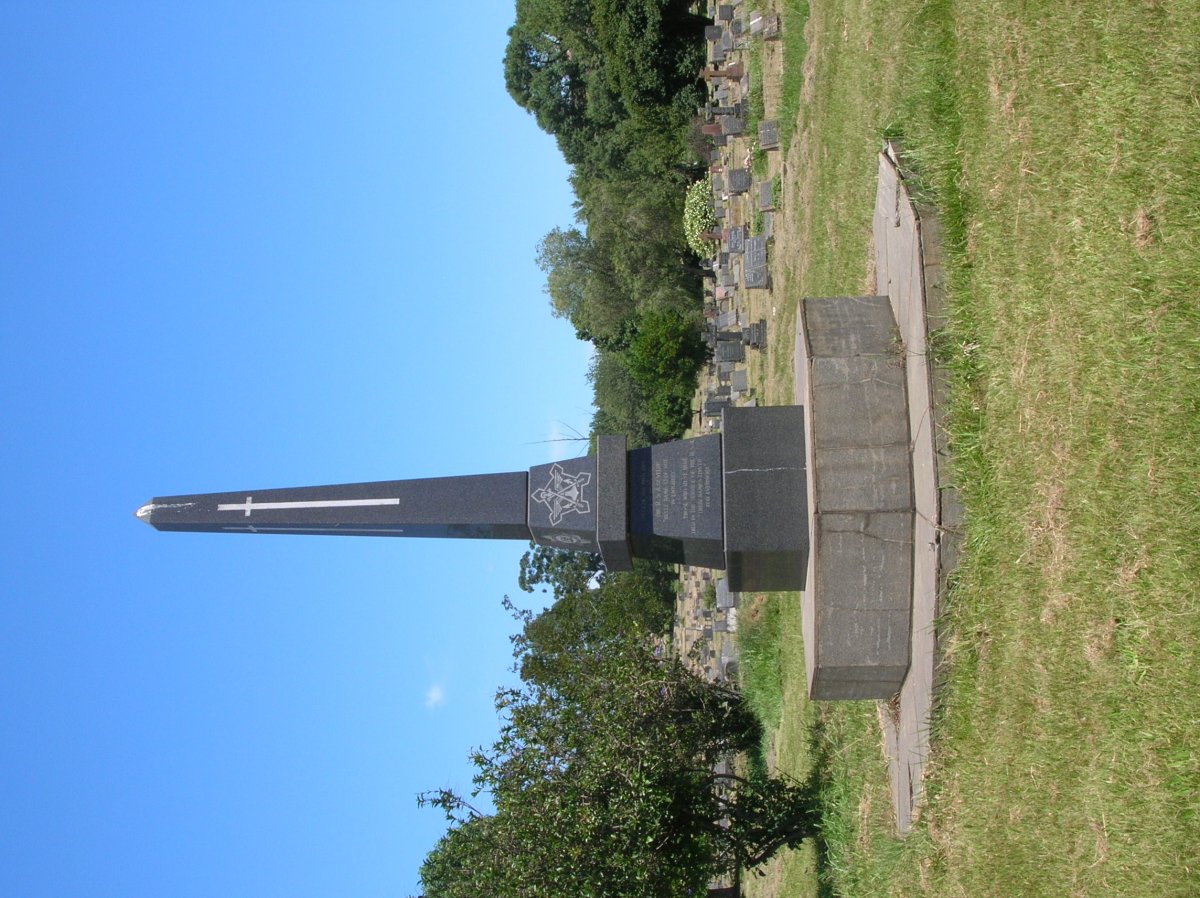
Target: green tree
[(637, 225), (630, 261), (546, 79), (591, 606), (620, 405), (552, 70), (664, 360), (563, 571), (583, 285), (668, 346), (615, 81), (603, 785), (652, 54)]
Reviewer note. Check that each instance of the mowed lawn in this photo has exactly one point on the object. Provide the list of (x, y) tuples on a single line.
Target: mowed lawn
[(1060, 142)]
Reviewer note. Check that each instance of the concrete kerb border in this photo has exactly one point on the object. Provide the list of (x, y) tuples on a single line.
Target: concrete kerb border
[(909, 245)]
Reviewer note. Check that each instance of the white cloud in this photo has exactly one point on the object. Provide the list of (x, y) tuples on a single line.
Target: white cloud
[(435, 696)]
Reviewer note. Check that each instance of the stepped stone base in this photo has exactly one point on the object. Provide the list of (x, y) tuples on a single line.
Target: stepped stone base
[(857, 606)]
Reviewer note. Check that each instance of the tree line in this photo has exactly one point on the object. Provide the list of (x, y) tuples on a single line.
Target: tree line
[(616, 82)]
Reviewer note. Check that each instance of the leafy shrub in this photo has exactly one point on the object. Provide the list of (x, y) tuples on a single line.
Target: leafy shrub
[(698, 217), (664, 359)]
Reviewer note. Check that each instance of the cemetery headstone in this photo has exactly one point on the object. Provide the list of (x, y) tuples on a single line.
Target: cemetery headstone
[(730, 351), (757, 279), (766, 195), (725, 597), (732, 125), (758, 333), (757, 275), (764, 26), (736, 241), (733, 71), (768, 135)]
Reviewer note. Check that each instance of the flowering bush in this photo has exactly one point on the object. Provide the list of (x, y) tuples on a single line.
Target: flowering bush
[(698, 217)]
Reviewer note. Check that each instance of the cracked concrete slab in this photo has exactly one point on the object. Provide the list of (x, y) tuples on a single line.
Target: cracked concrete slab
[(909, 273)]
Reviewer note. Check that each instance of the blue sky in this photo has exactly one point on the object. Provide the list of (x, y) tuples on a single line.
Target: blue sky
[(249, 245)]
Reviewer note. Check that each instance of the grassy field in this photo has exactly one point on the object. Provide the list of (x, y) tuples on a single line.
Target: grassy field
[(1059, 142)]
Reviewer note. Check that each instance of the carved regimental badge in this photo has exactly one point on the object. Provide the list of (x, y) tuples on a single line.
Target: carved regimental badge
[(567, 539), (563, 494)]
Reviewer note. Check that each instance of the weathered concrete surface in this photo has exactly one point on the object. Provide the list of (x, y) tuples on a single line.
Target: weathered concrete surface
[(909, 273), (856, 608), (765, 495)]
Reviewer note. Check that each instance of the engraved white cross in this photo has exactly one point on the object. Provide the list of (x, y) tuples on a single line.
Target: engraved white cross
[(250, 504)]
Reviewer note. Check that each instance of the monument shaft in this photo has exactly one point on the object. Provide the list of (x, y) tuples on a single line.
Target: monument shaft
[(734, 501), (483, 506)]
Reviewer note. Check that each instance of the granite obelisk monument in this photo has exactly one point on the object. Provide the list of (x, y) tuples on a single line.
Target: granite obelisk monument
[(734, 501)]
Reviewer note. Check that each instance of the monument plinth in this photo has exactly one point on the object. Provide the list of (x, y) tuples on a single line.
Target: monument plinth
[(857, 610), (734, 501)]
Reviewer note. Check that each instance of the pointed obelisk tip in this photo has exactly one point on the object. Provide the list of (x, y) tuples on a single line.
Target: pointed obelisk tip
[(145, 512)]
